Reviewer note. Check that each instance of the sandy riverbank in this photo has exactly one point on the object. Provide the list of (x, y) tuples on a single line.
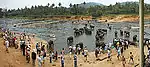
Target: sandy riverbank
[(15, 59), (122, 18)]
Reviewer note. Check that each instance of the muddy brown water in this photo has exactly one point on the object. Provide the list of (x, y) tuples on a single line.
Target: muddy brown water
[(65, 29)]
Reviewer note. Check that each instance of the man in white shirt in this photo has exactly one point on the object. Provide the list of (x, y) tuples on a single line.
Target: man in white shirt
[(74, 49), (6, 45)]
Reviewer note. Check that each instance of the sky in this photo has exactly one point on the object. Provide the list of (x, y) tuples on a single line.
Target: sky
[(14, 4)]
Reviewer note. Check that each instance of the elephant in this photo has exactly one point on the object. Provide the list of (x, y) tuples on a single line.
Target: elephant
[(75, 29), (77, 32), (88, 31), (103, 31), (81, 30), (50, 45), (92, 26), (70, 39), (100, 44), (99, 37)]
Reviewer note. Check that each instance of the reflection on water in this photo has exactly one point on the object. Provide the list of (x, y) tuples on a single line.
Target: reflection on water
[(64, 30)]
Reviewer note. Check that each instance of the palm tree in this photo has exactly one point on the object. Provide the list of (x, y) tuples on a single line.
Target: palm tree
[(52, 5), (48, 4), (84, 3), (70, 5), (59, 4)]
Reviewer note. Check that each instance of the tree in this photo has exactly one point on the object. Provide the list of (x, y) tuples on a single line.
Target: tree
[(53, 5), (59, 4), (84, 3), (48, 4), (1, 13), (70, 5)]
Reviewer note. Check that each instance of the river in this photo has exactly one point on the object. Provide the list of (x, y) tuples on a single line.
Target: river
[(65, 29)]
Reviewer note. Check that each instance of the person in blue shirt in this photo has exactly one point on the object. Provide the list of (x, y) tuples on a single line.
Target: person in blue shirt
[(62, 61)]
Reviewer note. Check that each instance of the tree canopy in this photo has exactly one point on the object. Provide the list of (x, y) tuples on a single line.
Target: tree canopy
[(75, 9)]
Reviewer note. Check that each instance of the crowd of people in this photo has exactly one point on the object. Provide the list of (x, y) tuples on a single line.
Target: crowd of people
[(39, 52)]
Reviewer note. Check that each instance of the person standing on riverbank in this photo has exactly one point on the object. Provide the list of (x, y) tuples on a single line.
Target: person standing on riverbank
[(51, 57), (109, 54), (62, 61), (119, 52), (75, 59), (85, 53), (33, 57), (96, 52), (23, 48), (131, 58), (7, 45), (56, 55), (39, 61), (123, 61), (28, 54)]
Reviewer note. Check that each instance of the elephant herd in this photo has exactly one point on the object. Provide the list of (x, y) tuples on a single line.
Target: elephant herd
[(87, 30), (77, 32), (100, 33)]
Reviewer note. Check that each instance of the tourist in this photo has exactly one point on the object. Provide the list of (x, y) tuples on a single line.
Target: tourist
[(23, 48), (33, 57), (51, 57), (43, 48), (119, 52), (74, 49), (85, 53), (39, 61), (62, 61), (96, 52), (123, 61), (79, 50), (109, 55), (122, 50), (127, 44), (38, 49), (21, 42), (63, 51), (75, 59), (70, 49), (56, 55), (131, 58), (7, 45), (28, 54), (43, 55)]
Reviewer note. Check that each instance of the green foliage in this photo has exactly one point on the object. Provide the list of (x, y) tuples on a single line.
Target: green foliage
[(1, 13), (77, 9)]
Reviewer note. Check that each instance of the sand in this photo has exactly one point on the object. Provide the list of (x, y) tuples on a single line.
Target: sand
[(122, 18), (15, 59)]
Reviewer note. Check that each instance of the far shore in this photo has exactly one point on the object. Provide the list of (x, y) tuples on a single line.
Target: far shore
[(105, 19)]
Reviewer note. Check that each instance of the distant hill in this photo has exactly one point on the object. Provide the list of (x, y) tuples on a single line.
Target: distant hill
[(87, 5)]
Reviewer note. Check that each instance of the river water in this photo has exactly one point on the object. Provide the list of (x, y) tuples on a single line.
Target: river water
[(65, 29)]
